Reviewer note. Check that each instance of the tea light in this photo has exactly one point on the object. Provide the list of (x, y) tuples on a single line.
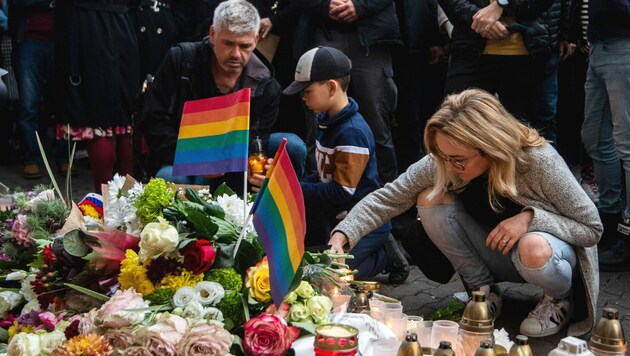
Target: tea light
[(336, 340)]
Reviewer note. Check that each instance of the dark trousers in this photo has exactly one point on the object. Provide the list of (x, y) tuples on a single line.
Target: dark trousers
[(514, 79)]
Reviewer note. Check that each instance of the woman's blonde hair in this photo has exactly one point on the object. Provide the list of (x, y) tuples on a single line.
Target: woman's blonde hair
[(476, 119)]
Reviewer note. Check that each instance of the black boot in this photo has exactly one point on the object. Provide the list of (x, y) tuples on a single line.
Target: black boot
[(397, 265), (610, 235), (617, 257)]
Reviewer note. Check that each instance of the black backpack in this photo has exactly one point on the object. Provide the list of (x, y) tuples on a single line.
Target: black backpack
[(143, 169)]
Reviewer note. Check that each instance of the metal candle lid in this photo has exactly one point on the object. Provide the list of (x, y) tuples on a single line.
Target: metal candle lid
[(477, 316), (336, 337), (608, 334)]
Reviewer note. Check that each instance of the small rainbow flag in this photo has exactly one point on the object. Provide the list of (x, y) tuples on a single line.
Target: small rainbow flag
[(279, 219), (213, 135)]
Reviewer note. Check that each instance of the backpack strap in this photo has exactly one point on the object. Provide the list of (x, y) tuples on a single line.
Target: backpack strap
[(188, 59)]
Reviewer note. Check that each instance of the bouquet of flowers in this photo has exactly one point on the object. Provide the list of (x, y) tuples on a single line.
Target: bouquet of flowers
[(146, 269)]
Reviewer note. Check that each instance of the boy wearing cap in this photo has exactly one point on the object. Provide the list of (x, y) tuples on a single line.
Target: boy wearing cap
[(346, 161)]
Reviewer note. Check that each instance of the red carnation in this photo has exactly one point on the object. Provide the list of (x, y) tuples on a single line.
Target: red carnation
[(198, 256)]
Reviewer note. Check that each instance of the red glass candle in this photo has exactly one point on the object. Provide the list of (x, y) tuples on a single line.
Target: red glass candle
[(336, 340)]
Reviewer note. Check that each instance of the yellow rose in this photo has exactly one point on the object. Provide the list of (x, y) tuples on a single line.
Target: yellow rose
[(257, 280)]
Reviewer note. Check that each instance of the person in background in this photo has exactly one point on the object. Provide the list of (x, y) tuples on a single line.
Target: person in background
[(606, 127), (223, 63), (498, 200), (96, 77)]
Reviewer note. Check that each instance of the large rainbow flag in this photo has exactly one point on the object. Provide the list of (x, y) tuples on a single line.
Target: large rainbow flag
[(279, 219), (213, 135)]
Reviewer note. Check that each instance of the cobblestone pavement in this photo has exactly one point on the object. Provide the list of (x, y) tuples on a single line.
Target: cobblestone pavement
[(419, 295)]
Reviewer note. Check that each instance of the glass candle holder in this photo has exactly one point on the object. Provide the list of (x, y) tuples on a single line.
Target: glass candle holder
[(445, 330), (336, 340)]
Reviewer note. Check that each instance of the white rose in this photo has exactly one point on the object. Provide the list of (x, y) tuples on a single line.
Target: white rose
[(210, 292), (27, 289), (185, 295), (30, 306), (194, 310), (213, 313), (157, 239), (25, 344), (50, 341)]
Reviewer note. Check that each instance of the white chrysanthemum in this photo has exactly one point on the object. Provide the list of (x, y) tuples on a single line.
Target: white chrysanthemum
[(501, 337), (185, 295), (210, 293), (114, 188), (234, 210), (213, 313), (205, 195), (135, 192), (46, 195), (26, 289), (193, 310)]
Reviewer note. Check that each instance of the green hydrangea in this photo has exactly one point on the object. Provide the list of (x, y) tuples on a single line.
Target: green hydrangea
[(160, 296), (229, 278), (153, 200), (232, 308)]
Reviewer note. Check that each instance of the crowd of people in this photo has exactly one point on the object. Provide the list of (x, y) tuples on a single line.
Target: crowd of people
[(480, 118)]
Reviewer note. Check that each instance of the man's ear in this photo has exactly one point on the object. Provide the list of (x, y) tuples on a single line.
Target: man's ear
[(212, 33)]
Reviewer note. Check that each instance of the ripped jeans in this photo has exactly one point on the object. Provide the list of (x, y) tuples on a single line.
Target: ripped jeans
[(463, 242)]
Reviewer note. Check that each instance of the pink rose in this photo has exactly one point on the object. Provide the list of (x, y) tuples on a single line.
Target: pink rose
[(155, 343), (136, 351), (118, 311), (268, 334), (205, 339), (120, 339), (171, 327), (20, 232)]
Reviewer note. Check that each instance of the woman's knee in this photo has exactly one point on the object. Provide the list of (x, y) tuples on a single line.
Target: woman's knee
[(534, 251), (425, 200)]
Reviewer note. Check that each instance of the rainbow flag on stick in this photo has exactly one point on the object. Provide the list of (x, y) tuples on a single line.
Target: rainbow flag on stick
[(279, 220), (213, 135)]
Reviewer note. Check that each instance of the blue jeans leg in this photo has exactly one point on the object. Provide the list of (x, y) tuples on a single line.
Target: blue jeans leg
[(34, 68), (463, 241), (606, 127), (296, 148), (548, 103), (556, 275)]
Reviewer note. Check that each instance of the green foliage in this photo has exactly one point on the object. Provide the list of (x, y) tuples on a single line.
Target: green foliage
[(232, 309), (229, 278), (453, 311), (153, 200), (160, 296), (223, 189), (55, 209)]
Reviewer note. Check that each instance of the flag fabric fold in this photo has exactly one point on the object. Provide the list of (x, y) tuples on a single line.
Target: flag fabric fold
[(279, 219), (213, 135)]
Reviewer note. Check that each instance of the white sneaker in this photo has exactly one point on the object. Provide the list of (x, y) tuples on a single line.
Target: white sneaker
[(494, 299), (549, 317)]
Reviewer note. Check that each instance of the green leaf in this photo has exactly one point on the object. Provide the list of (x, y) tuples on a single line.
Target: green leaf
[(201, 223), (73, 243), (223, 189), (87, 291), (224, 256), (309, 327)]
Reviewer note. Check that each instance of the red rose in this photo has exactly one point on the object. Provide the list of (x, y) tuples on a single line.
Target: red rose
[(198, 256)]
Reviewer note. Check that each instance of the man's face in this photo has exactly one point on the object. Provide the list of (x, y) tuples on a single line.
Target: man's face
[(232, 52)]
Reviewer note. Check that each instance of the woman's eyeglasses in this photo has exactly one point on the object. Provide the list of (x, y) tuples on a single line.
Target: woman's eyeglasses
[(459, 164)]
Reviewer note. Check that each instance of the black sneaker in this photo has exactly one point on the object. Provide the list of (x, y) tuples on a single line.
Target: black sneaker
[(397, 265)]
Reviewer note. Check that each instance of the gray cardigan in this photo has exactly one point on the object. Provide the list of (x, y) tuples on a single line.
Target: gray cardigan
[(546, 186)]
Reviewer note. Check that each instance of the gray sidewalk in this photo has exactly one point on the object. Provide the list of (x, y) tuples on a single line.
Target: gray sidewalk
[(419, 295)]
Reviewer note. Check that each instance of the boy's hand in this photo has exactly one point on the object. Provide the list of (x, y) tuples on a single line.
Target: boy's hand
[(256, 180)]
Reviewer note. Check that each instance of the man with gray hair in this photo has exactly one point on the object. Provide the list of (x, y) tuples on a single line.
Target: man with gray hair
[(220, 64)]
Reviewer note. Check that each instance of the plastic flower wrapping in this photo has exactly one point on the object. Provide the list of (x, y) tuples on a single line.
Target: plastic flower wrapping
[(148, 269)]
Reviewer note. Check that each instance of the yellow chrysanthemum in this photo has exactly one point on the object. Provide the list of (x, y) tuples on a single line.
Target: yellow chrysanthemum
[(17, 328), (88, 210), (90, 344), (185, 279), (133, 275)]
